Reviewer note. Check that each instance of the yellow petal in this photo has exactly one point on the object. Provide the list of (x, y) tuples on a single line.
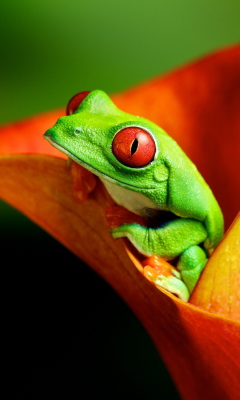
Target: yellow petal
[(218, 290)]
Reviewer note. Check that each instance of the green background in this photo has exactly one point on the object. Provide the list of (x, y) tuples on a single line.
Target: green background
[(67, 331)]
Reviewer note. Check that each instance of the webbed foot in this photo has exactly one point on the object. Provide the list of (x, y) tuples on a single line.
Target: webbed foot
[(164, 275)]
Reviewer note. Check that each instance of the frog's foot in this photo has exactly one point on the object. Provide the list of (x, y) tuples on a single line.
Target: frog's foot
[(191, 263), (164, 275)]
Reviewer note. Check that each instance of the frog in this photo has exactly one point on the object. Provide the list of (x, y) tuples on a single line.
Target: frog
[(146, 172)]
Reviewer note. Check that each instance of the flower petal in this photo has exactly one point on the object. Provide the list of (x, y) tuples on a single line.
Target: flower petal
[(200, 348)]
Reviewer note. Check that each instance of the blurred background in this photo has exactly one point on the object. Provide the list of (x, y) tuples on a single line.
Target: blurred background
[(68, 334)]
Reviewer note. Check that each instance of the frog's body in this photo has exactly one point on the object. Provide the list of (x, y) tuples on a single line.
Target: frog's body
[(145, 171)]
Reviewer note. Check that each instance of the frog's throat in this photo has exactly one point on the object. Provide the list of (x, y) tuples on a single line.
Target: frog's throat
[(131, 200)]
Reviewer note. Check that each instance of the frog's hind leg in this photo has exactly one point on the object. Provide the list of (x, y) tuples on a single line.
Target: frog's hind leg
[(190, 264)]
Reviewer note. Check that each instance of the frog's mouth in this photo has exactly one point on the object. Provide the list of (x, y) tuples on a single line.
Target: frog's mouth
[(62, 149), (139, 206), (84, 164)]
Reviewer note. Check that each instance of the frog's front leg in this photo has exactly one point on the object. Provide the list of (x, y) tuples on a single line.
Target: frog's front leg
[(177, 238)]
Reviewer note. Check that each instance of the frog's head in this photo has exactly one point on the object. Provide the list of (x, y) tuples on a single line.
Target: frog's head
[(116, 146)]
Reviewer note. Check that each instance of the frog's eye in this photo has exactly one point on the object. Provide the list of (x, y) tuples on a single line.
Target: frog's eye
[(134, 147), (75, 102)]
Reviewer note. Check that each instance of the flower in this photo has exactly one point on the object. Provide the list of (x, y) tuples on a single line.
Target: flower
[(198, 105)]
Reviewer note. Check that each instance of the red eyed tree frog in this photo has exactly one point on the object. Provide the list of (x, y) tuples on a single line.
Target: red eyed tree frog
[(145, 171)]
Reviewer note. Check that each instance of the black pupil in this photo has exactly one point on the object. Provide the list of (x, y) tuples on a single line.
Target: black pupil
[(134, 146)]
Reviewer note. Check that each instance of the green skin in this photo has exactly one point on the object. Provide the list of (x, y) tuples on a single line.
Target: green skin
[(169, 187)]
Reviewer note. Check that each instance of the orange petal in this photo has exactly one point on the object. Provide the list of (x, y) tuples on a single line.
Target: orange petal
[(201, 349), (218, 289)]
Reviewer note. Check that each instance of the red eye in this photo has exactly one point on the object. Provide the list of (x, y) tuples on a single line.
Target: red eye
[(75, 102), (134, 147)]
